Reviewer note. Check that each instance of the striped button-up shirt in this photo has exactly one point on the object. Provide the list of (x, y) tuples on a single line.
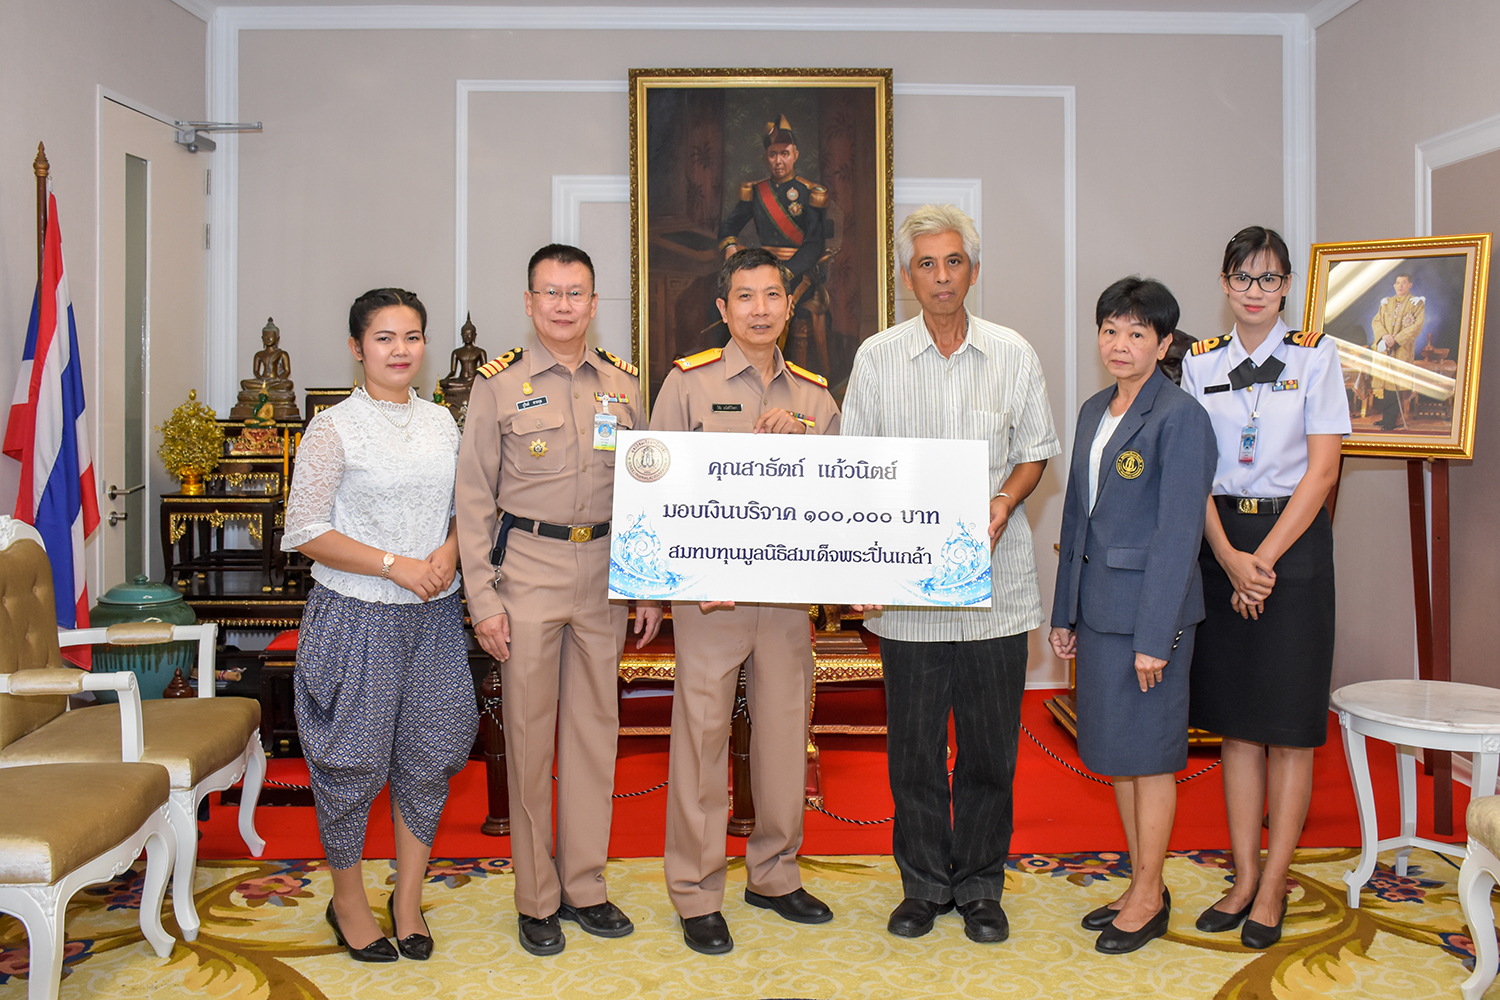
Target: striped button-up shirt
[(991, 389)]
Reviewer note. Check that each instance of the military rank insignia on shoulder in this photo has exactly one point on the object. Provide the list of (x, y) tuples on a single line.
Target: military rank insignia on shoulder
[(1212, 343), (817, 194), (700, 359), (620, 363), (1303, 338), (812, 377), (498, 365), (747, 190)]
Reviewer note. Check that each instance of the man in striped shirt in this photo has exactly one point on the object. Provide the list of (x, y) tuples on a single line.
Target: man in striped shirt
[(947, 374)]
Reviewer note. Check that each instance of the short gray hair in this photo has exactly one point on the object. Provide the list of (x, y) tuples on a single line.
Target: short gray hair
[(929, 220)]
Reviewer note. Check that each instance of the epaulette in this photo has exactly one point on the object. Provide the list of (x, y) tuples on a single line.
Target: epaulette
[(747, 190), (700, 359), (620, 363), (498, 365), (1303, 338), (812, 377), (817, 194), (1212, 343)]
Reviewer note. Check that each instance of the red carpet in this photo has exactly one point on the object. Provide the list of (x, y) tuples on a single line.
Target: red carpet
[(1057, 811)]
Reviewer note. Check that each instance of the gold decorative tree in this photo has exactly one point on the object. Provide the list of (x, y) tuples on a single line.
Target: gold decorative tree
[(192, 443)]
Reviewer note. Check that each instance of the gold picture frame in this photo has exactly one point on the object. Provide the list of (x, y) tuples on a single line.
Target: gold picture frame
[(698, 141), (1407, 316)]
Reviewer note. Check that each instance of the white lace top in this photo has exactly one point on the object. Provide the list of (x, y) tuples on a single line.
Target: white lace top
[(380, 473)]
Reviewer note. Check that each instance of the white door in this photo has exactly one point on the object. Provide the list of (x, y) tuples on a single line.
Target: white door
[(153, 272)]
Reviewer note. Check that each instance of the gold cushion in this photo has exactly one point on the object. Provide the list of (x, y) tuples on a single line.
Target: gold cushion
[(47, 680), (191, 737), (1483, 822), (28, 635), (59, 816)]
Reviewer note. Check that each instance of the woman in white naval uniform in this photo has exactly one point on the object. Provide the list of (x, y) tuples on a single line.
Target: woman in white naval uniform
[(1264, 652)]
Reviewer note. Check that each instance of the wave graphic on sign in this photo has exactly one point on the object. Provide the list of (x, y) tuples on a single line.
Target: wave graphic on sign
[(636, 565), (963, 571)]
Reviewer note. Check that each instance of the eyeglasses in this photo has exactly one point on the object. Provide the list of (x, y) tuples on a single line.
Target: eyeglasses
[(1269, 282), (577, 296)]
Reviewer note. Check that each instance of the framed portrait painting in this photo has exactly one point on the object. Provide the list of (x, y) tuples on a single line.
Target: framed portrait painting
[(797, 161), (1407, 316)]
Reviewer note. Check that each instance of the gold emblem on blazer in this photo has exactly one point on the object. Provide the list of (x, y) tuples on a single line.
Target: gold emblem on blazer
[(538, 448), (526, 388), (1129, 464)]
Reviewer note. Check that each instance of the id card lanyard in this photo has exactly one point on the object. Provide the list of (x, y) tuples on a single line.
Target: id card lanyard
[(1250, 433), (605, 425)]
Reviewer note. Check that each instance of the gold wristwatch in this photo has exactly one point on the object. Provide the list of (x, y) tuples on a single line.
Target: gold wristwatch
[(386, 563)]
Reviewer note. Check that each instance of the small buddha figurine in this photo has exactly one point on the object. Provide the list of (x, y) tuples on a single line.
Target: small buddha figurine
[(272, 379), (464, 366)]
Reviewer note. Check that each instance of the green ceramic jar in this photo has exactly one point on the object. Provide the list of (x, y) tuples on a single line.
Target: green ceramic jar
[(144, 601)]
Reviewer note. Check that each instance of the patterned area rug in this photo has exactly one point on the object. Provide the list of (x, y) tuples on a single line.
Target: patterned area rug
[(263, 937)]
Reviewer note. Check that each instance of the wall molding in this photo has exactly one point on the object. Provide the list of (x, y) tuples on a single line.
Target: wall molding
[(1462, 143), (1295, 31), (570, 192), (1325, 11)]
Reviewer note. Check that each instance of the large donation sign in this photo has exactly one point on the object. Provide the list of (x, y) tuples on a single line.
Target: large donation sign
[(800, 519)]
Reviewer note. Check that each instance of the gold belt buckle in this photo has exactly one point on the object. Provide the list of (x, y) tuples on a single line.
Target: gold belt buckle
[(1249, 505), (580, 533)]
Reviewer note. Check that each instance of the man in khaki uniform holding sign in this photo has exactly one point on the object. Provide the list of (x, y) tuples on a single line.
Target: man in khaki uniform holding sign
[(538, 444), (745, 387)]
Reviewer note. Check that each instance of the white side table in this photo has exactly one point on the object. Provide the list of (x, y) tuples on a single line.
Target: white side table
[(1437, 715)]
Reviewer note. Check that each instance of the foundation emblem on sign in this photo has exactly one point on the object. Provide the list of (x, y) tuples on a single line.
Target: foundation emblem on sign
[(1129, 464), (648, 460)]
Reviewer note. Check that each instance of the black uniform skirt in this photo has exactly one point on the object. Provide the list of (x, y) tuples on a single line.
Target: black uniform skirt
[(1266, 680)]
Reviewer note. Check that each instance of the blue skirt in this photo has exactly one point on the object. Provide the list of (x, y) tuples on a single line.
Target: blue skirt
[(1122, 730)]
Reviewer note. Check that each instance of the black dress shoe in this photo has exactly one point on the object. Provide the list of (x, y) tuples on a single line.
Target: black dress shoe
[(1216, 921), (1102, 917), (1113, 941), (708, 934), (542, 936), (379, 950), (984, 921), (417, 947), (799, 906), (914, 917), (601, 920), (1259, 936)]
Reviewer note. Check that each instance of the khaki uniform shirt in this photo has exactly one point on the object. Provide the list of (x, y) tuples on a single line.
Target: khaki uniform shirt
[(528, 449), (720, 390)]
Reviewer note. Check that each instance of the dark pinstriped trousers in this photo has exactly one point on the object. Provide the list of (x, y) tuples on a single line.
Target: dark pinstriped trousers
[(953, 847)]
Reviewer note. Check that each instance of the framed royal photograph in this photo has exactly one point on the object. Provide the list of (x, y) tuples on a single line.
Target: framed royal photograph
[(797, 161), (1407, 316)]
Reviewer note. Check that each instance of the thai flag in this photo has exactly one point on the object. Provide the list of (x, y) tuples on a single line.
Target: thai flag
[(48, 435)]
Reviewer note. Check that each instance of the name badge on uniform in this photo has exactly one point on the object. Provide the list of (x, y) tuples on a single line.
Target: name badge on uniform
[(605, 425), (728, 408), (1248, 434), (527, 404)]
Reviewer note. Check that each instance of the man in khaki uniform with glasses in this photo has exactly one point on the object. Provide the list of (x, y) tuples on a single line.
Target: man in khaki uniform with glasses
[(745, 387), (534, 493)]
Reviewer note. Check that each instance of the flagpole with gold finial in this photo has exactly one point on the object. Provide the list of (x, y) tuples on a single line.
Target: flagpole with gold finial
[(40, 166)]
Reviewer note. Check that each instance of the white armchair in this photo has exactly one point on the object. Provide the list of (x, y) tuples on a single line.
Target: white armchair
[(65, 826)]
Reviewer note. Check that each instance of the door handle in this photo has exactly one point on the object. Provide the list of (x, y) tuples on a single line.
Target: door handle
[(115, 517), (116, 492)]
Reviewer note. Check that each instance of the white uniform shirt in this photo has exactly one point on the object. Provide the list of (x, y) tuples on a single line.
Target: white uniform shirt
[(991, 389), (388, 486), (1306, 398)]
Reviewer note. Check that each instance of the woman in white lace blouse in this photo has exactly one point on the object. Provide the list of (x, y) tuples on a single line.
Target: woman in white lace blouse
[(383, 689)]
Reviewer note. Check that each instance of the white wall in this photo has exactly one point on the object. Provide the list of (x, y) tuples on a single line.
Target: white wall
[(1391, 74), (53, 57), (352, 183)]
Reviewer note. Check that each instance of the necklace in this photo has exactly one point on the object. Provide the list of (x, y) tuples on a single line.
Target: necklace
[(411, 410)]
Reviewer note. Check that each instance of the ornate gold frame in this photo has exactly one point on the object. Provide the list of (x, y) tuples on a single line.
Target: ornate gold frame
[(643, 81), (1357, 359)]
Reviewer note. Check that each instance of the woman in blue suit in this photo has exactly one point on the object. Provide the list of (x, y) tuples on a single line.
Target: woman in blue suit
[(1129, 594)]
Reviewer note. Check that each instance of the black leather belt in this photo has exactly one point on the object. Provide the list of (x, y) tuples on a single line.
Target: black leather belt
[(566, 532), (1253, 505)]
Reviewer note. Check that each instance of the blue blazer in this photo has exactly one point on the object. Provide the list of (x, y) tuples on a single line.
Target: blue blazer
[(1132, 565)]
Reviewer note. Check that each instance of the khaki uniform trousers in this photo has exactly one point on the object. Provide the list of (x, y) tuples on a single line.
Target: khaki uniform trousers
[(561, 679), (778, 685)]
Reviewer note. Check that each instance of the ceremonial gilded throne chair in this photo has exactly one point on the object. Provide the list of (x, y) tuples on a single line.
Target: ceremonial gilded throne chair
[(206, 744)]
